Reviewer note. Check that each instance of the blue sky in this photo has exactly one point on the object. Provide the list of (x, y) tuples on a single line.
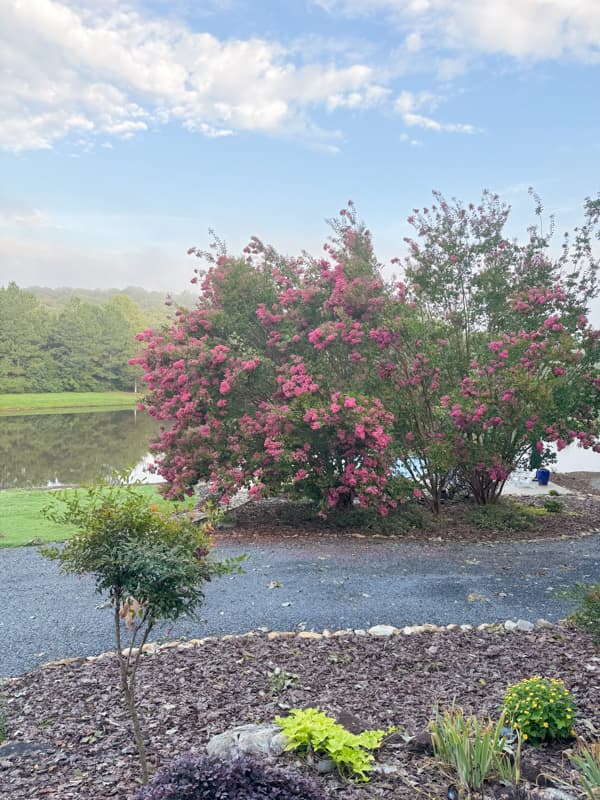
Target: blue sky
[(129, 129)]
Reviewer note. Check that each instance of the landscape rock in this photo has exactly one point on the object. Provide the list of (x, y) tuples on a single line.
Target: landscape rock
[(382, 630), (524, 625), (421, 743), (23, 749), (384, 769), (252, 740), (324, 766), (509, 625), (552, 793)]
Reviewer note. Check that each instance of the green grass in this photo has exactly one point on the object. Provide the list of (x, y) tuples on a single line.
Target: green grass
[(22, 522), (66, 401)]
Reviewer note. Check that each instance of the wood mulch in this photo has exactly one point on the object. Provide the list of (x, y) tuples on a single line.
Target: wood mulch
[(74, 714), (74, 711), (276, 520)]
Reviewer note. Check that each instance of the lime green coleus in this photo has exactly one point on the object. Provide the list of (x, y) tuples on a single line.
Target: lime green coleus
[(310, 730)]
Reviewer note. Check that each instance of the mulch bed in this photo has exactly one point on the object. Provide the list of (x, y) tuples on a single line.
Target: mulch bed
[(187, 695), (276, 520)]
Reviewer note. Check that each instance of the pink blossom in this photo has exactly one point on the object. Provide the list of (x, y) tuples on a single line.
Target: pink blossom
[(350, 402), (359, 431)]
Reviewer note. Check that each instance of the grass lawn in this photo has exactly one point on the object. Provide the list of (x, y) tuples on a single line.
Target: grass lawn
[(21, 520), (66, 401)]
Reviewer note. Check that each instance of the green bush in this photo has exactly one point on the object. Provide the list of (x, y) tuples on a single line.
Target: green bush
[(152, 564), (475, 749), (501, 517), (313, 732), (586, 616), (553, 506), (588, 761), (541, 709)]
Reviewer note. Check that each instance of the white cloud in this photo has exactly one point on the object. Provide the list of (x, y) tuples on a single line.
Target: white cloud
[(522, 29), (106, 69), (404, 137), (409, 106)]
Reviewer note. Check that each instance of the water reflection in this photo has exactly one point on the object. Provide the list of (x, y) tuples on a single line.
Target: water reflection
[(65, 449)]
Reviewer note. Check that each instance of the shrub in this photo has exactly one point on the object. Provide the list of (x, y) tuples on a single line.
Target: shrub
[(153, 567), (586, 616), (588, 761), (315, 376), (541, 709), (553, 506), (553, 493), (313, 732), (501, 517), (210, 778), (475, 749)]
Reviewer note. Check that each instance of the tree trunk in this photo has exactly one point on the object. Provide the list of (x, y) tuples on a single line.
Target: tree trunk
[(128, 688)]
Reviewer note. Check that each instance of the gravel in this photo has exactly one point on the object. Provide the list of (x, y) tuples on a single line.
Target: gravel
[(330, 582)]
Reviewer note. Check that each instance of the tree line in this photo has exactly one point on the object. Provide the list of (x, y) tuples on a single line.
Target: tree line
[(71, 345)]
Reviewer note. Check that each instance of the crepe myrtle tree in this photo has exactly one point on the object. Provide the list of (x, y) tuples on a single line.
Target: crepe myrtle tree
[(532, 389), (316, 377), (504, 338), (271, 387), (153, 565)]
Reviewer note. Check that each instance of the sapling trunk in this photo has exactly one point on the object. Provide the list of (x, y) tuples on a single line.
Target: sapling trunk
[(128, 672)]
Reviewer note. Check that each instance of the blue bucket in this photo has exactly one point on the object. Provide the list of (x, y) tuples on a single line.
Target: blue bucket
[(543, 476)]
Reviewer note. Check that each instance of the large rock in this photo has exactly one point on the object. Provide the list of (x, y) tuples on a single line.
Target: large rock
[(251, 740)]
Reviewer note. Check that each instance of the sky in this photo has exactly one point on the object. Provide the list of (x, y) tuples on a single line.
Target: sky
[(127, 130)]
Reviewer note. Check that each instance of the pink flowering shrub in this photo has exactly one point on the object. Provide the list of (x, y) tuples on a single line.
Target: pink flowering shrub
[(318, 378), (267, 383)]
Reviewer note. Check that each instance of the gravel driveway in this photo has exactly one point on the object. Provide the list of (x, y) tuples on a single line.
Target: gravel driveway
[(322, 584)]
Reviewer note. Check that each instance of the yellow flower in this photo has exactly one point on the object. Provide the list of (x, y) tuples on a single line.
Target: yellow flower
[(524, 736), (545, 724)]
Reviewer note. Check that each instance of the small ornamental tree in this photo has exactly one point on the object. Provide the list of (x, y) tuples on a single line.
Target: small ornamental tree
[(151, 563)]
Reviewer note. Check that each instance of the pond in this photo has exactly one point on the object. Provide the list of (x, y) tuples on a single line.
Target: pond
[(47, 450)]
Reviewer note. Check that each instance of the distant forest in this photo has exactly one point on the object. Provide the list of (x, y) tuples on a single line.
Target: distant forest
[(61, 340)]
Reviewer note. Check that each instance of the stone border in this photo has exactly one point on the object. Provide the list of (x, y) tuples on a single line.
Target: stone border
[(379, 631)]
